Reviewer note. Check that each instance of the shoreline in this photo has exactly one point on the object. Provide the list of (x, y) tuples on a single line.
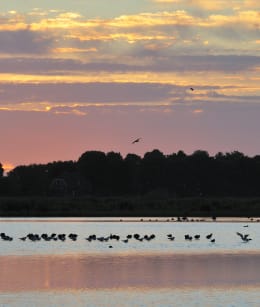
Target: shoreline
[(131, 207), (132, 219)]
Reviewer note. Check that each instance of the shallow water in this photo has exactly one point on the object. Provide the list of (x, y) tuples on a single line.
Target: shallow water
[(224, 233), (155, 273)]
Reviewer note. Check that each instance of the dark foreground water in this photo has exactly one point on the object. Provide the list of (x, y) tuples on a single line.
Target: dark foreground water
[(156, 272)]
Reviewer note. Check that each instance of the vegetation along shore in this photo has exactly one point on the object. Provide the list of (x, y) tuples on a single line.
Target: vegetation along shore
[(106, 184)]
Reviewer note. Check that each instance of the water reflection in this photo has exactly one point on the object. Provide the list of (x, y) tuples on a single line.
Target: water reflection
[(36, 273), (238, 297)]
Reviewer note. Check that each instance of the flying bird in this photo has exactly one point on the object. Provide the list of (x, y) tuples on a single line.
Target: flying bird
[(136, 141), (191, 88), (244, 237)]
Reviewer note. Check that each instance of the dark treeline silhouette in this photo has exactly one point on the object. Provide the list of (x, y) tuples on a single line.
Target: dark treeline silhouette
[(176, 175)]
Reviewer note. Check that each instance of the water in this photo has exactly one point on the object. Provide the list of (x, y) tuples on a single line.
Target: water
[(148, 273)]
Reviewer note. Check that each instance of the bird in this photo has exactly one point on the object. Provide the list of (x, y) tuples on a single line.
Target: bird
[(136, 141), (136, 236), (209, 236), (171, 238), (244, 237), (73, 236), (188, 237), (191, 88)]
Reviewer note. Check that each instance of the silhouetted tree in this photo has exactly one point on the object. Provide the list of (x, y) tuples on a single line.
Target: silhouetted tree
[(177, 174), (1, 170), (29, 180), (92, 166), (2, 181), (132, 165), (114, 173), (153, 170)]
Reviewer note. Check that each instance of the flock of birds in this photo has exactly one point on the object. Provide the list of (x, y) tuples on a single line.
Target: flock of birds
[(112, 237)]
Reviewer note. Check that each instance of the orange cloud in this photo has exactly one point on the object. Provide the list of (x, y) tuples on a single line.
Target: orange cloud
[(213, 5), (72, 50), (197, 111), (167, 1), (208, 78), (142, 27), (249, 19)]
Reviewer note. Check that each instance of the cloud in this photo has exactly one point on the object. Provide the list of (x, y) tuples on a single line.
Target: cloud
[(91, 93), (70, 33), (167, 1), (79, 98), (217, 5), (24, 42), (197, 111), (67, 110), (166, 63)]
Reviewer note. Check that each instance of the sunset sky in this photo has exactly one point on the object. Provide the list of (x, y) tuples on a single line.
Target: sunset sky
[(79, 75)]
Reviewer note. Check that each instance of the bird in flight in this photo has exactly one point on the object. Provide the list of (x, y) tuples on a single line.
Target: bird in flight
[(191, 88), (244, 237), (136, 141)]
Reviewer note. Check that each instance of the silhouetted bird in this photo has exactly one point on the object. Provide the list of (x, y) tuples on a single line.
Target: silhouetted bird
[(73, 236), (188, 237), (5, 237), (62, 237), (209, 236), (171, 238), (136, 141), (244, 237), (191, 88)]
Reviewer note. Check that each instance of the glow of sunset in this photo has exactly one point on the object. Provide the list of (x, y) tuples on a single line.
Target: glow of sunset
[(93, 75)]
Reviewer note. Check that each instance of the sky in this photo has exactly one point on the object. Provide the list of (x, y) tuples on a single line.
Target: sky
[(80, 75)]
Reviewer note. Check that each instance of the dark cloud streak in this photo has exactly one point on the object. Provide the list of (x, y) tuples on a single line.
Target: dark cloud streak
[(84, 92), (48, 66), (24, 42)]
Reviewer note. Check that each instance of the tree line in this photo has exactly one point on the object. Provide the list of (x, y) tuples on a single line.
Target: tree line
[(109, 174)]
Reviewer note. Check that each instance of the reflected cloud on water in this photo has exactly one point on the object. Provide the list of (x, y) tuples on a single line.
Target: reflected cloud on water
[(159, 272), (215, 297), (33, 273)]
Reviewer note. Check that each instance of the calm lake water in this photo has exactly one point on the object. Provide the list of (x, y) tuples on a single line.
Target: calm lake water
[(156, 272)]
